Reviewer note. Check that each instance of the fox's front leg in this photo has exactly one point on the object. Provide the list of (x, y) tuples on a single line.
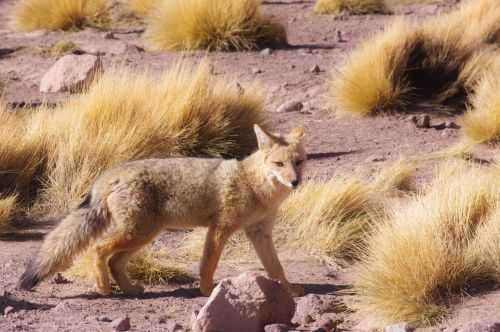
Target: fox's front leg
[(262, 239), (215, 241)]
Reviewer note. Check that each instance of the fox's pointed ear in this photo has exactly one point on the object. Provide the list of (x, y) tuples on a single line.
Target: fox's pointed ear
[(296, 135), (264, 140)]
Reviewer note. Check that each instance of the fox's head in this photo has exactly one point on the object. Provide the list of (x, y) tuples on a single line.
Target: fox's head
[(283, 156)]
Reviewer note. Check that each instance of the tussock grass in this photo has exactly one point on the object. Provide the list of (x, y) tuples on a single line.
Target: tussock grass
[(141, 7), (29, 15), (353, 7), (59, 48), (437, 62), (147, 266), (7, 208), (57, 154), (481, 123), (211, 25), (327, 218), (431, 246)]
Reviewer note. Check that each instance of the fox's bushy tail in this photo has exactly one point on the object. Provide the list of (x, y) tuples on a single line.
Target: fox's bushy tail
[(69, 238)]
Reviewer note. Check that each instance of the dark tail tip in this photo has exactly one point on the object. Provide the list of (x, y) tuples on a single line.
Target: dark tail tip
[(31, 276)]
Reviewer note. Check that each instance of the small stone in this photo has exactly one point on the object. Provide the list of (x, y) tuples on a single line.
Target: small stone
[(162, 319), (121, 324), (292, 20), (451, 125), (174, 327), (328, 322), (315, 69), (60, 279), (266, 51), (71, 73), (340, 38), (400, 327), (277, 328), (105, 319), (256, 71), (423, 121), (377, 159), (290, 106), (439, 126), (109, 35), (8, 309)]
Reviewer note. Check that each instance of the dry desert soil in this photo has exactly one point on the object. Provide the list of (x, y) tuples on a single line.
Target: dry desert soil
[(334, 145)]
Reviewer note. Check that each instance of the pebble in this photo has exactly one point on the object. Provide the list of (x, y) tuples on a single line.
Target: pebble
[(290, 106), (121, 324), (266, 51), (8, 309), (315, 69)]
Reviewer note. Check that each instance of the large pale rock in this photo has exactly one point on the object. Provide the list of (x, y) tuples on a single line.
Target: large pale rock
[(246, 303), (71, 73)]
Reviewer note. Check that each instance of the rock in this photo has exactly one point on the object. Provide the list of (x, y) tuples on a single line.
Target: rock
[(439, 126), (277, 328), (109, 35), (313, 306), (8, 310), (399, 327), (105, 319), (423, 121), (377, 159), (480, 327), (256, 71), (327, 322), (71, 73), (174, 327), (451, 125), (266, 51), (246, 303), (162, 319), (315, 69), (121, 324), (290, 106), (60, 279)]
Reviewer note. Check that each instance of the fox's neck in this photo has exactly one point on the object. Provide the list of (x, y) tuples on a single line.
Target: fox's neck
[(267, 192)]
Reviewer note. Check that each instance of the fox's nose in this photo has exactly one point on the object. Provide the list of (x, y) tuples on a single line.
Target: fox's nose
[(294, 183)]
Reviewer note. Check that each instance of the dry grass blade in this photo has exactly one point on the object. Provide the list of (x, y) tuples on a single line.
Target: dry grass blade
[(149, 267), (8, 205), (29, 15), (211, 25), (353, 7), (426, 247)]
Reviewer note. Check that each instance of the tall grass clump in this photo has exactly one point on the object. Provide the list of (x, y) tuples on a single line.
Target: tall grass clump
[(481, 123), (29, 15), (431, 247), (437, 62), (148, 266), (353, 7), (211, 25), (141, 7)]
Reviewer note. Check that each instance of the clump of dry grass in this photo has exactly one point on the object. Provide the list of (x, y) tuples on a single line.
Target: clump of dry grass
[(437, 62), (29, 15), (353, 7), (211, 25), (481, 123), (141, 7), (431, 246), (59, 48), (8, 206), (327, 218), (147, 266)]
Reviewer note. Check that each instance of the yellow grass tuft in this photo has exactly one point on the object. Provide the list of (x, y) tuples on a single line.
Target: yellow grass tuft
[(29, 15), (431, 246), (437, 62), (354, 7), (147, 266), (8, 206), (481, 123), (141, 7), (211, 25)]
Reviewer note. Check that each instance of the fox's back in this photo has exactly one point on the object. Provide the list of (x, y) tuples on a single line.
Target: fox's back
[(175, 188)]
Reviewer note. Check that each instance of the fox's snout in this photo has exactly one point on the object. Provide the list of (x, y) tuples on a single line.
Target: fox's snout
[(295, 183)]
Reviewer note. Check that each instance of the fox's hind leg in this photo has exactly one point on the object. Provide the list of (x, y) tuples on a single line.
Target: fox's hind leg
[(118, 267)]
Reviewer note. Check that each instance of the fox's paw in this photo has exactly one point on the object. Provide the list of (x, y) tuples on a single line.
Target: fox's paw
[(103, 291), (206, 289), (296, 290), (136, 289)]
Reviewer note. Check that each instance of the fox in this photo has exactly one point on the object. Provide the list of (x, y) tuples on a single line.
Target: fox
[(131, 204)]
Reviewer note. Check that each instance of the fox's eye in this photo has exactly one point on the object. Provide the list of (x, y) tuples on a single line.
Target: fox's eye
[(279, 163), (298, 162)]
